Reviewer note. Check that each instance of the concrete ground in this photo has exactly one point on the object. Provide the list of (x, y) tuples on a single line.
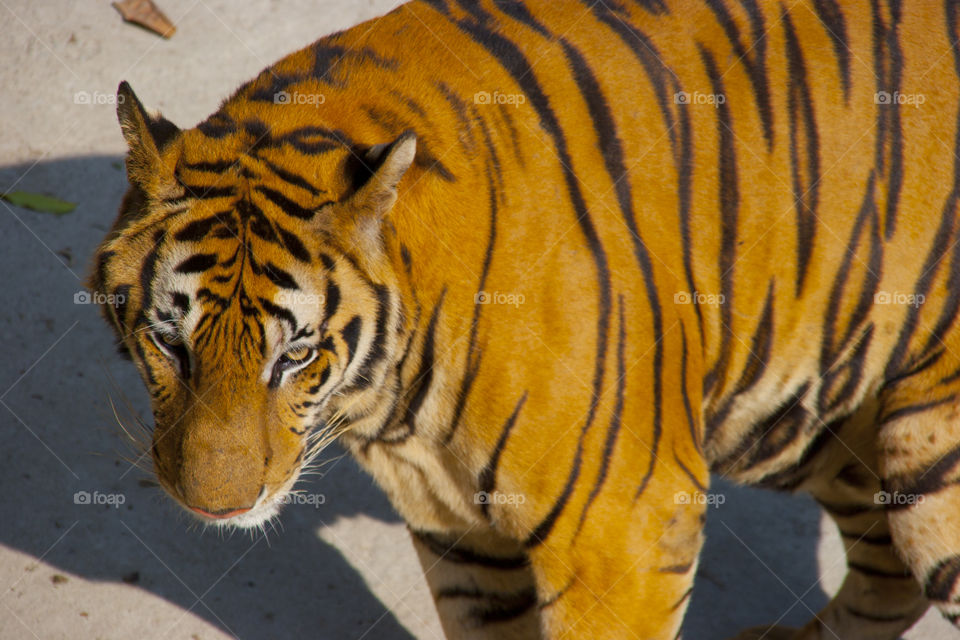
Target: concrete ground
[(340, 569)]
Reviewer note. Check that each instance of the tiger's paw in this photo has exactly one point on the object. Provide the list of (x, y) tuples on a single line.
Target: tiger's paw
[(767, 633)]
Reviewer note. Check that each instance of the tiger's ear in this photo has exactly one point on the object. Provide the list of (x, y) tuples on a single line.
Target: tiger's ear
[(146, 135), (382, 167)]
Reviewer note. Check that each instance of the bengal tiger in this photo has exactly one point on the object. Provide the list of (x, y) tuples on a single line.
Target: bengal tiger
[(542, 266)]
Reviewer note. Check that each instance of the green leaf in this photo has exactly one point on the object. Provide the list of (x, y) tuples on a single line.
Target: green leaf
[(39, 202)]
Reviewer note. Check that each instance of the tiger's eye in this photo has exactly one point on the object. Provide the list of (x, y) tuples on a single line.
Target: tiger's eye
[(299, 354)]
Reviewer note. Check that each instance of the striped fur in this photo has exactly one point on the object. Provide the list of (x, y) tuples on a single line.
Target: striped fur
[(543, 265)]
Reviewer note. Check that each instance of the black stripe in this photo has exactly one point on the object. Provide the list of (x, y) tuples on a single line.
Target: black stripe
[(913, 409), (793, 477), (294, 245), (941, 580), (686, 470), (873, 617), (829, 352), (219, 166), (676, 568), (285, 204), (258, 224), (851, 372), (313, 140), (683, 599), (877, 572), (847, 510), (754, 58), (424, 376), (882, 539), (279, 277), (177, 299), (198, 229), (411, 104), (292, 178), (205, 193), (499, 607), (888, 67), (147, 271), (729, 196), (473, 356), (331, 301), (377, 350), (927, 480), (439, 5), (270, 84), (460, 109), (351, 335), (760, 346), (449, 552), (831, 17), (197, 263), (692, 424), (219, 125), (488, 475), (613, 428), (280, 313), (758, 443), (806, 190)]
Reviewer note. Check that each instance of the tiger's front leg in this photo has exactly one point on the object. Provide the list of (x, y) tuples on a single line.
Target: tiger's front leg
[(615, 549), (628, 571), (481, 583)]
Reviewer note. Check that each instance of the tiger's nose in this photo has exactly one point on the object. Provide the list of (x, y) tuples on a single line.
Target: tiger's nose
[(220, 514)]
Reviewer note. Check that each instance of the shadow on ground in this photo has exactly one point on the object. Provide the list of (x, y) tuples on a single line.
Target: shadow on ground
[(59, 437)]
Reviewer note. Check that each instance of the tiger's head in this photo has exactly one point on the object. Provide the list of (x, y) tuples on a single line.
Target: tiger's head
[(257, 295)]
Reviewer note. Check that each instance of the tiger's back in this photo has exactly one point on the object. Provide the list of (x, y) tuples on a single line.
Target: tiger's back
[(636, 241)]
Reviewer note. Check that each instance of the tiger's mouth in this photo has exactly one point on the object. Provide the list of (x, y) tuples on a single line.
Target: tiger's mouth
[(267, 507)]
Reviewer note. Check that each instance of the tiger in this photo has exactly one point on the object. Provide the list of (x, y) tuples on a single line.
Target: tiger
[(542, 267)]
